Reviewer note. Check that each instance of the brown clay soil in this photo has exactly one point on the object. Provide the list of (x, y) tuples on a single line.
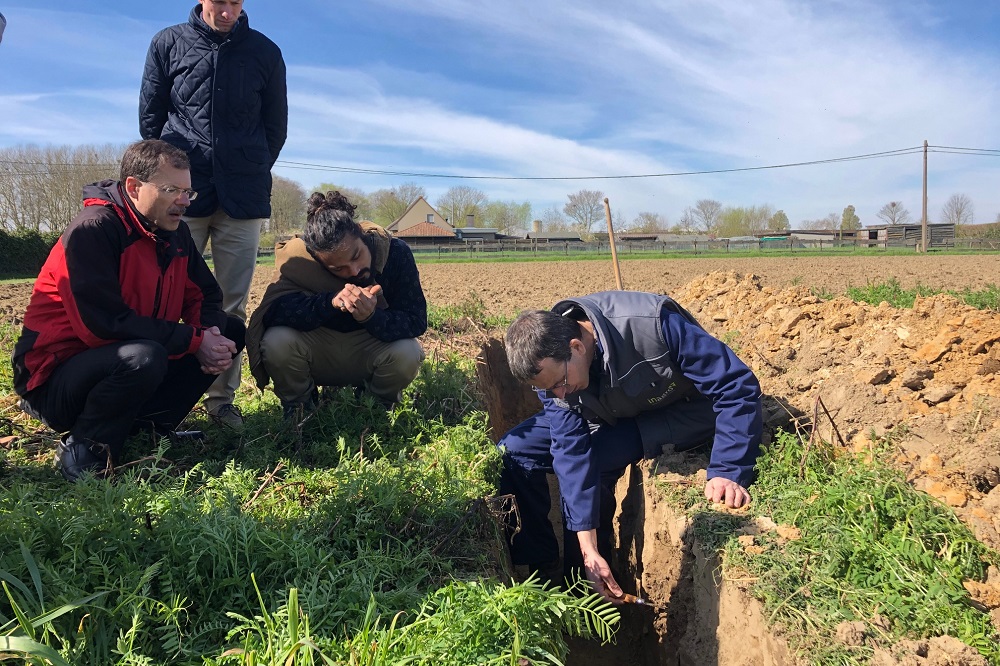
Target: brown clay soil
[(508, 288), (854, 370)]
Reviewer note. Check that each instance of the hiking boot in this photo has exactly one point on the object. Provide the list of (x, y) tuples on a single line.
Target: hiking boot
[(227, 416), (76, 457), (296, 412)]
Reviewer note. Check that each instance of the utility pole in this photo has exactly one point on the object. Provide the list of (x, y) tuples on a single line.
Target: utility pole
[(923, 218)]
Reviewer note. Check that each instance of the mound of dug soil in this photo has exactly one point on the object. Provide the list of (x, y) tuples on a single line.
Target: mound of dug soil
[(929, 374)]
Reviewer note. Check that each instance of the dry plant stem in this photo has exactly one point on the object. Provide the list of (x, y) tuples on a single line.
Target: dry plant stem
[(776, 368), (267, 481), (833, 423), (135, 463), (812, 436), (814, 433), (508, 504), (465, 518), (479, 329), (298, 484), (486, 504)]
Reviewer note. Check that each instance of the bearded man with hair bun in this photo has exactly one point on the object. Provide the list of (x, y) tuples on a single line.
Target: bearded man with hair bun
[(344, 308)]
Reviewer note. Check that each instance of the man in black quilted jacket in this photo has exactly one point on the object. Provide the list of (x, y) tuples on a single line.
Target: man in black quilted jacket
[(215, 88)]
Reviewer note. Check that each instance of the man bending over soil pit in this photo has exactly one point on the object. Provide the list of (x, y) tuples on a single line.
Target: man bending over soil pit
[(621, 375)]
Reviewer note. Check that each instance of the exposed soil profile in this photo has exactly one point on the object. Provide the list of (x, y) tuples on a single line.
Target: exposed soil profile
[(932, 370)]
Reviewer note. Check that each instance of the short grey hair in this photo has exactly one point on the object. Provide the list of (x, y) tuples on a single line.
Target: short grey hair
[(143, 159)]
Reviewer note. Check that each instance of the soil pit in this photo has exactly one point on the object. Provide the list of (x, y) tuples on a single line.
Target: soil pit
[(857, 371)]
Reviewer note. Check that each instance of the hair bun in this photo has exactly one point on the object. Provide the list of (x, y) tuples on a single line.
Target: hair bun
[(331, 201)]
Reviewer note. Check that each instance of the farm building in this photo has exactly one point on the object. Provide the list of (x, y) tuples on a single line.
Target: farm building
[(904, 235), (554, 237), (421, 224), (477, 234)]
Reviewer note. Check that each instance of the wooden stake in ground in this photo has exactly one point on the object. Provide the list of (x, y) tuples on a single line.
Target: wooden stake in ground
[(614, 250)]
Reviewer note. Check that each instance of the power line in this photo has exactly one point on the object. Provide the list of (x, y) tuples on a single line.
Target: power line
[(308, 166), (985, 151), (852, 158)]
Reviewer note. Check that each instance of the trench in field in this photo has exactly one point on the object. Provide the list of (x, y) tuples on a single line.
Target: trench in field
[(694, 616)]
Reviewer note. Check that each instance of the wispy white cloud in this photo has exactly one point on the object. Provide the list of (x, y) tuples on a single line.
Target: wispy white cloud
[(688, 85), (539, 89)]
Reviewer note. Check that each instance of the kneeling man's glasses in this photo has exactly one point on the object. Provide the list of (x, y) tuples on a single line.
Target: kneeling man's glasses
[(563, 384)]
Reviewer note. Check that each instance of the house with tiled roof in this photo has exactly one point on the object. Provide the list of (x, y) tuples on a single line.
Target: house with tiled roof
[(421, 223)]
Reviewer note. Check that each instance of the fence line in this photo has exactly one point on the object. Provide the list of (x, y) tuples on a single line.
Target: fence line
[(515, 248), (518, 247)]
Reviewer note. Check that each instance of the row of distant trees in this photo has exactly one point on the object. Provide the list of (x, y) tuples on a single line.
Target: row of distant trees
[(40, 191)]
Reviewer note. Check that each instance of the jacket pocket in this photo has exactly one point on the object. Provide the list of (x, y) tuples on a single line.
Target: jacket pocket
[(256, 154)]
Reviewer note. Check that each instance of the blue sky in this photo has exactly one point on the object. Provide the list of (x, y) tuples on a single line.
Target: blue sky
[(589, 88)]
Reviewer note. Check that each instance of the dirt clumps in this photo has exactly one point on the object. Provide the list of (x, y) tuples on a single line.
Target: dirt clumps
[(928, 375), (938, 651)]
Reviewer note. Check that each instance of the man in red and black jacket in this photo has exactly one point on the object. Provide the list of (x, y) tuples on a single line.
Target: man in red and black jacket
[(125, 327)]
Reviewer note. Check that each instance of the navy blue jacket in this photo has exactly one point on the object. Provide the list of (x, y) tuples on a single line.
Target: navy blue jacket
[(715, 372), (222, 99)]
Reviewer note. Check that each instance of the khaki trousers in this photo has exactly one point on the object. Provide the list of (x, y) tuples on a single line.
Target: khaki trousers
[(299, 361), (234, 253)]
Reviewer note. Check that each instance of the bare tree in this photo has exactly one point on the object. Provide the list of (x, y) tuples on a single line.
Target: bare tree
[(706, 214), (388, 205), (829, 223), (507, 216), (585, 208), (647, 222), (688, 222), (958, 210), (553, 221), (758, 218), (40, 188), (409, 192), (459, 202), (356, 196), (288, 206), (894, 212)]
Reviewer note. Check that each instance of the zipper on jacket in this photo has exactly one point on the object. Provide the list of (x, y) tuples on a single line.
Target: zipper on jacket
[(159, 294), (163, 263)]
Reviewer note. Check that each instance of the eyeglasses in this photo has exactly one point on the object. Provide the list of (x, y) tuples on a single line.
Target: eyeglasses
[(172, 191), (561, 385)]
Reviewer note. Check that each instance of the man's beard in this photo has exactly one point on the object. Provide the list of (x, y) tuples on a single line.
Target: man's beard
[(362, 279)]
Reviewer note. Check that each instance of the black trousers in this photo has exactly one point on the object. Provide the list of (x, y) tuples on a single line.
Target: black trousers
[(102, 394)]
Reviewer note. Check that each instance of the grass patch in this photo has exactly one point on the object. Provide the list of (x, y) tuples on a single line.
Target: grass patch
[(872, 549), (361, 538), (895, 295), (458, 318)]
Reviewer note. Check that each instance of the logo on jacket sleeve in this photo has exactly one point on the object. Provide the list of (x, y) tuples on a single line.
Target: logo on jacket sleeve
[(662, 396)]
